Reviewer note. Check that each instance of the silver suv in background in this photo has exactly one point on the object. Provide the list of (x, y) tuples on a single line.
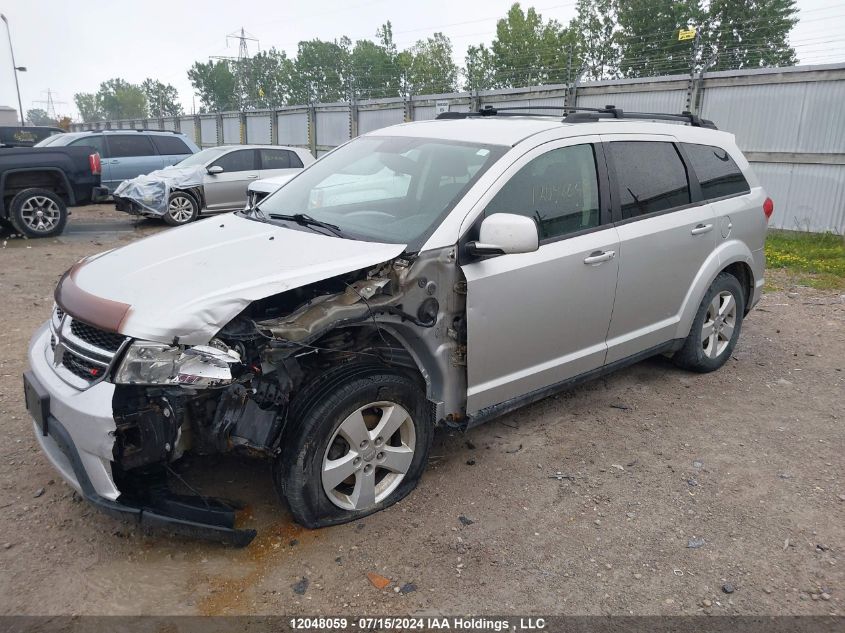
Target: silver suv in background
[(431, 273), (125, 154)]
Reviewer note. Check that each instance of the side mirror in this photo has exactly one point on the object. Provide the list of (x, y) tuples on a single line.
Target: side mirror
[(506, 233), (215, 169)]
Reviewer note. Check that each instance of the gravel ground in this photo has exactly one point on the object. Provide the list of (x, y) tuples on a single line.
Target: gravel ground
[(651, 491)]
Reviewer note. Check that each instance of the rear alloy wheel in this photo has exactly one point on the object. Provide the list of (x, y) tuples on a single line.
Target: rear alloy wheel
[(38, 213), (716, 327), (357, 442), (181, 209)]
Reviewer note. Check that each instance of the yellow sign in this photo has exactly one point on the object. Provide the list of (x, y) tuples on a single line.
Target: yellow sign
[(686, 34)]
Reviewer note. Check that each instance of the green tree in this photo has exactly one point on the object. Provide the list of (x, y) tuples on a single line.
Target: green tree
[(88, 106), (595, 46), (529, 52), (428, 68), (120, 99), (480, 70), (214, 83), (320, 71), (648, 36), (162, 99), (269, 75), (374, 66), (39, 117), (750, 33)]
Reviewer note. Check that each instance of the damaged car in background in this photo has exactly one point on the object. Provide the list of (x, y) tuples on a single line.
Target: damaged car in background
[(214, 180), (432, 273)]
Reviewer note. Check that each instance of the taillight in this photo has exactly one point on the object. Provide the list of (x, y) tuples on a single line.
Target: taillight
[(768, 208), (94, 163)]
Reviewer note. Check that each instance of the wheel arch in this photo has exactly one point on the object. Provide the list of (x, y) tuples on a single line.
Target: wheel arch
[(733, 257), (54, 174)]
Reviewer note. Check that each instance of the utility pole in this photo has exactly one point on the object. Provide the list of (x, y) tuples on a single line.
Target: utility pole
[(241, 61), (15, 68), (693, 34)]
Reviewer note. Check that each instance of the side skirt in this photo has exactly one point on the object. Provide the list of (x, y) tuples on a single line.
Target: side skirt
[(513, 404)]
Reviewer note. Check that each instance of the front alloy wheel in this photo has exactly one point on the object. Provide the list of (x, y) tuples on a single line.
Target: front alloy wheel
[(181, 209), (369, 455)]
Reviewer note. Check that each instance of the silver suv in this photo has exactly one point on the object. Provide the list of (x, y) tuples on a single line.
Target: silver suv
[(432, 273)]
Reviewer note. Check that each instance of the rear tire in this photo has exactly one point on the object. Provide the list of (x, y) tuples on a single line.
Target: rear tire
[(716, 327), (38, 213), (182, 208), (359, 442)]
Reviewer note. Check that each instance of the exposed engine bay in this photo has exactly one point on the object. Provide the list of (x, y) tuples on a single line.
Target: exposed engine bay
[(235, 393)]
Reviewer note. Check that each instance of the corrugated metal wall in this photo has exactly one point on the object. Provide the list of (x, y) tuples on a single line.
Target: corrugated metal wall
[(789, 121)]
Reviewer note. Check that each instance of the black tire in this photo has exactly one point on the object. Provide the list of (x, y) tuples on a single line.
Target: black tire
[(698, 353), (38, 213), (182, 208), (316, 415)]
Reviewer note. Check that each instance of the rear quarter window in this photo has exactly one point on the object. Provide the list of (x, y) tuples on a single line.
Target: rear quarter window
[(717, 172), (170, 145)]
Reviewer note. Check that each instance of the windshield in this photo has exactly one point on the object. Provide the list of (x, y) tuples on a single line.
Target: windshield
[(386, 189), (203, 157)]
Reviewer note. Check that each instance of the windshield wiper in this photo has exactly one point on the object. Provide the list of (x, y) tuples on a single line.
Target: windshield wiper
[(304, 219)]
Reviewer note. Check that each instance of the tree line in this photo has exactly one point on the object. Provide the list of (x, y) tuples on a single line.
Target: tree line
[(606, 39)]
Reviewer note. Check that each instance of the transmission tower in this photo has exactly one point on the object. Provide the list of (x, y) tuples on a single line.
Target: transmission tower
[(241, 63), (50, 105)]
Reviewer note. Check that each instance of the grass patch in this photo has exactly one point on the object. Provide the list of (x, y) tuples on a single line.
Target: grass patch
[(816, 259)]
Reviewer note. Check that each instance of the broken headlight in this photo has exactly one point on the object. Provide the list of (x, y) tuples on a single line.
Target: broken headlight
[(148, 363)]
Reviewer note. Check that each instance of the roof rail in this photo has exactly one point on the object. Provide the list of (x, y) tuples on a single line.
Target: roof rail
[(131, 129), (582, 115)]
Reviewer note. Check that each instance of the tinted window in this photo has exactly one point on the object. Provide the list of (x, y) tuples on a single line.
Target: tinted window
[(274, 158), (241, 160), (558, 189), (94, 142), (651, 177), (121, 145), (716, 171), (170, 145)]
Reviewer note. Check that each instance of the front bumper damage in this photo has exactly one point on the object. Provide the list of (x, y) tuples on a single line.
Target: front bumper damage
[(76, 431)]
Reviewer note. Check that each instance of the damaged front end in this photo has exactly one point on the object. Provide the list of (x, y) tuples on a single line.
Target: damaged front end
[(235, 393)]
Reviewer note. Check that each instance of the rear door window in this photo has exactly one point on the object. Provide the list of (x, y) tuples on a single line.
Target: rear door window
[(126, 145), (170, 145), (240, 160), (717, 172), (650, 177), (275, 158)]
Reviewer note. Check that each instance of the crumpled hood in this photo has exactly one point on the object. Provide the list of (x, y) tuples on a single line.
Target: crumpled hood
[(190, 281), (270, 185)]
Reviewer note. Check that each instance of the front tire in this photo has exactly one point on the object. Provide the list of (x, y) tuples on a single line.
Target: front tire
[(716, 327), (359, 443), (38, 213), (181, 208)]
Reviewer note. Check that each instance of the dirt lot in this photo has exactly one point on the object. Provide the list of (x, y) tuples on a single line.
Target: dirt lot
[(652, 461)]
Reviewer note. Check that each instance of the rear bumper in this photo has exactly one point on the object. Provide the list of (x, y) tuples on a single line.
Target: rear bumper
[(100, 194), (76, 430)]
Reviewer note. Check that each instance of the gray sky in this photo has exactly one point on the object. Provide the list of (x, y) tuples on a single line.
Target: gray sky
[(71, 46)]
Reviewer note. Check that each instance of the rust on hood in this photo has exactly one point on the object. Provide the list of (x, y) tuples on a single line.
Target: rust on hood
[(80, 304)]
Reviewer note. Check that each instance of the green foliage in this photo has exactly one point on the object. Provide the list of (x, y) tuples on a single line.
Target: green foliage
[(821, 256), (120, 99), (596, 47), (750, 33), (214, 82), (320, 71), (428, 67), (268, 77), (39, 117), (374, 66), (89, 109), (480, 69), (162, 99), (648, 36), (529, 52)]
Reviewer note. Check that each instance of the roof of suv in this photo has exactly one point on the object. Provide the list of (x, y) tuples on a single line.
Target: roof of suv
[(511, 130)]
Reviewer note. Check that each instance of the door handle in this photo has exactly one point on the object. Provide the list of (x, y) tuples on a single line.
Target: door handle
[(598, 257), (252, 176), (701, 228)]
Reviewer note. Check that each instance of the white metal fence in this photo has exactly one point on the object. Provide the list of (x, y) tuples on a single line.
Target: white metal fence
[(790, 122)]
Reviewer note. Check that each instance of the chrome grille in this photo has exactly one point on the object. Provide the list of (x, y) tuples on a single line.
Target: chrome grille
[(81, 353)]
